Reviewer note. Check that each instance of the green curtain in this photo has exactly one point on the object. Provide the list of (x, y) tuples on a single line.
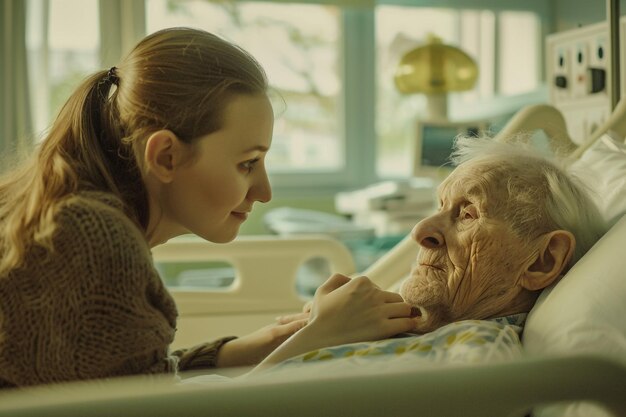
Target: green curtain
[(16, 127)]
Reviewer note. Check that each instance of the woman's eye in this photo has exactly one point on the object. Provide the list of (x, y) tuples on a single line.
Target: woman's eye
[(249, 165)]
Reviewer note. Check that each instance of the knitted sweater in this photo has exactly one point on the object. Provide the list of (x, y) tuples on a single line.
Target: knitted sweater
[(94, 307)]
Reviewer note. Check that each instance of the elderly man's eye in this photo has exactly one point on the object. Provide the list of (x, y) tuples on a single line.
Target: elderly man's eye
[(469, 212)]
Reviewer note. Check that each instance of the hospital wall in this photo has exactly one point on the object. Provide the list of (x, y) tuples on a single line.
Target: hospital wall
[(570, 14)]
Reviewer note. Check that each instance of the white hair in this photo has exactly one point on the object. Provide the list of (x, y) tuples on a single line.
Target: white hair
[(543, 192)]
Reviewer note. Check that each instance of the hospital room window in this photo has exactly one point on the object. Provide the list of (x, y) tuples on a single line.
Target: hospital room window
[(298, 45), (517, 54), (340, 121), (58, 59), (508, 65)]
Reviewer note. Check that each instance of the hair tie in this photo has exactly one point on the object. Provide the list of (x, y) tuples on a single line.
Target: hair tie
[(112, 76)]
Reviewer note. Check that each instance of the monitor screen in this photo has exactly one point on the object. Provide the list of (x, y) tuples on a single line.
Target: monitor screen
[(437, 142)]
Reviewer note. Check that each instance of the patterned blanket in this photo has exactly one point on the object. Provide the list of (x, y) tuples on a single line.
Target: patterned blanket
[(466, 342)]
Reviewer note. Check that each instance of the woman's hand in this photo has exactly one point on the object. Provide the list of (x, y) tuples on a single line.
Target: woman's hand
[(343, 311), (348, 310), (251, 349)]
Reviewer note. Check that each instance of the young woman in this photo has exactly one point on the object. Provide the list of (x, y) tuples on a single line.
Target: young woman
[(171, 141)]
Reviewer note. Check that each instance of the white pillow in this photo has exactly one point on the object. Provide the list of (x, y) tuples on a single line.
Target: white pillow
[(584, 313), (586, 310), (603, 169)]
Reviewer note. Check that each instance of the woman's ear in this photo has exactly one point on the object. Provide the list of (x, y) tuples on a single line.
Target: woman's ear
[(161, 155), (555, 250)]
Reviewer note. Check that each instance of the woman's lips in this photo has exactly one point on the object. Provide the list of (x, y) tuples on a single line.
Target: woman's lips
[(240, 215)]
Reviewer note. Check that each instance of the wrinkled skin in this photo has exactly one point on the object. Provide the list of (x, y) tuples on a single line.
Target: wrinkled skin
[(470, 262)]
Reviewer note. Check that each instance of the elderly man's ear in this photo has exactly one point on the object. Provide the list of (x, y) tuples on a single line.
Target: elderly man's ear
[(555, 250)]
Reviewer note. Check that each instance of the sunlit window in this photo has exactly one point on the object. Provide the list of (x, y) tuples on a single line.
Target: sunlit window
[(518, 59), (63, 42), (298, 45), (401, 28)]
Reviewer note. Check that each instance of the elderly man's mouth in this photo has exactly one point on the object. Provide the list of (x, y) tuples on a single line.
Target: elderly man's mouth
[(432, 266)]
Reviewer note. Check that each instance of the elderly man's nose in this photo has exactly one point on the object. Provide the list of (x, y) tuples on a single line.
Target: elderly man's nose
[(428, 235)]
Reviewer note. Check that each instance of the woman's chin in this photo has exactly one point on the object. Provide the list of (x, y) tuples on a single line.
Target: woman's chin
[(222, 237)]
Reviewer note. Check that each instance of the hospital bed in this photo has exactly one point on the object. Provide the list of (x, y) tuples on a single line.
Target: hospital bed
[(575, 338)]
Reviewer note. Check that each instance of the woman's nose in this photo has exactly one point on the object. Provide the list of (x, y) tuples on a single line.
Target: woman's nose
[(428, 234), (261, 190)]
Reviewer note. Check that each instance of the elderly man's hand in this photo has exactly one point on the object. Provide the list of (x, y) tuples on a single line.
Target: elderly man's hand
[(307, 307), (294, 317), (251, 349)]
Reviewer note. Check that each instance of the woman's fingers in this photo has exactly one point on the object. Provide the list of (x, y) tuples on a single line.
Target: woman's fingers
[(392, 297), (398, 310), (307, 307), (292, 317), (291, 327), (332, 283), (401, 325), (339, 280)]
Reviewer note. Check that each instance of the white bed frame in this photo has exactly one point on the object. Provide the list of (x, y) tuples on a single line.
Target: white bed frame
[(265, 288), (498, 390), (258, 296)]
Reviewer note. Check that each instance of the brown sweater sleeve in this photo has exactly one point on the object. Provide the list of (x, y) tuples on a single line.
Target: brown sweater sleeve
[(201, 356)]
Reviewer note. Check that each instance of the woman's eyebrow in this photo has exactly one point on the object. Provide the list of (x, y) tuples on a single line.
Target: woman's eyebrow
[(257, 148)]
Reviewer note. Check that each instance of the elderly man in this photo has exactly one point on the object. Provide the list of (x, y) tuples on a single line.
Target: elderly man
[(510, 223)]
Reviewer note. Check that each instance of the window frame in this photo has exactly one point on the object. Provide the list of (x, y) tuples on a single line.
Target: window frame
[(123, 23)]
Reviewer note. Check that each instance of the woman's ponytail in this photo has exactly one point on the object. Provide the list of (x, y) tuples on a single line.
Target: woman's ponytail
[(81, 152)]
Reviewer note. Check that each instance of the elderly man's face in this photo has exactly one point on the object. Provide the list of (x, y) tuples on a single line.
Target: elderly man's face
[(470, 261)]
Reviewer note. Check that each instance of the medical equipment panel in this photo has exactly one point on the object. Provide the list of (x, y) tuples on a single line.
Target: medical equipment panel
[(577, 70)]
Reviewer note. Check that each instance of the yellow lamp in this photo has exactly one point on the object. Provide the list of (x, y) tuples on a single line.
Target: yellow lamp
[(436, 69)]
